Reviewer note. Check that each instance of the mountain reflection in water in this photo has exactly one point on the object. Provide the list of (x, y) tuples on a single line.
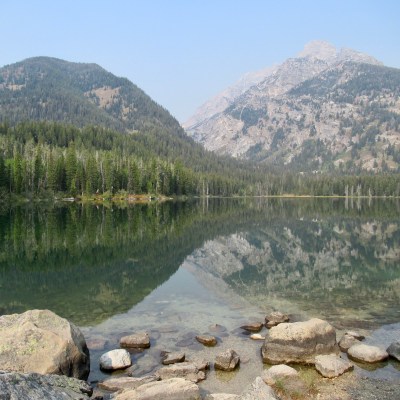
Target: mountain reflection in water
[(319, 257)]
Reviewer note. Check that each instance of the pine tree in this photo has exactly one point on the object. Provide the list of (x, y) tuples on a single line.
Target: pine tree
[(3, 173), (71, 170), (109, 173), (17, 173), (91, 175), (38, 170), (134, 181)]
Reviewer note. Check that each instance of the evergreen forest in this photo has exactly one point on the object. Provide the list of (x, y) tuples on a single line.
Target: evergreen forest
[(48, 158)]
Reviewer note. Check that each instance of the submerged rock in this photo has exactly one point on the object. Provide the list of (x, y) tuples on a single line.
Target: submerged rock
[(171, 389), (17, 386), (207, 340), (173, 358), (96, 343), (217, 328), (140, 340), (227, 361), (257, 336), (115, 359), (331, 366), (366, 353), (394, 350), (201, 364), (299, 342), (275, 318), (355, 335), (253, 327), (189, 340), (41, 341)]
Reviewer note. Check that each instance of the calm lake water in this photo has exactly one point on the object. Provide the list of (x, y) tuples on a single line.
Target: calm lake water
[(177, 269)]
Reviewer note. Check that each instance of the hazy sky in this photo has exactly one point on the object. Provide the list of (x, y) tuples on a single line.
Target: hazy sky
[(182, 52)]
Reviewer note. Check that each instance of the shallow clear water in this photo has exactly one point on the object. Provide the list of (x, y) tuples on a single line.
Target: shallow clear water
[(177, 269)]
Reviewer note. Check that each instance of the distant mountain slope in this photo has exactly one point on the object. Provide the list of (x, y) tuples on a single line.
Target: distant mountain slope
[(44, 88), (322, 110), (224, 99)]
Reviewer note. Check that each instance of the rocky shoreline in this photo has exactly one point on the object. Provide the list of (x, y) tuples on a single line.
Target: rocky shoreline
[(43, 356)]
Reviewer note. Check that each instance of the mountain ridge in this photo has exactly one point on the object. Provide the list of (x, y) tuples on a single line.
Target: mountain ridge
[(38, 83), (253, 126)]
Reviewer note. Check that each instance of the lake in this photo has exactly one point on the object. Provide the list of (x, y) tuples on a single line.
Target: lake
[(177, 269)]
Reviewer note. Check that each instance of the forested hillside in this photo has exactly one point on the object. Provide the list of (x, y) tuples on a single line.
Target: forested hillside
[(39, 158), (44, 88)]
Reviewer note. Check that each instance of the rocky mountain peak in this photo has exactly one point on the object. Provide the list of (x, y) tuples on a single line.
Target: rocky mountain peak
[(319, 49), (316, 56), (326, 108)]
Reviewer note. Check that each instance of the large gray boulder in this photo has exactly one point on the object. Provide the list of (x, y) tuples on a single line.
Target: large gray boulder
[(41, 341), (17, 386), (171, 389), (299, 342)]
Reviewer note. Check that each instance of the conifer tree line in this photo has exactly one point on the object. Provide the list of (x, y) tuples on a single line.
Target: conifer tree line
[(36, 157), (45, 157)]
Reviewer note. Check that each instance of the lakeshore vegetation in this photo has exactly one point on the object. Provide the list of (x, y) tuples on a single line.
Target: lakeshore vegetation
[(48, 158)]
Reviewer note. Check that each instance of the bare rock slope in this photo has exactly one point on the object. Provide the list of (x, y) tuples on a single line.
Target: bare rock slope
[(325, 108)]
